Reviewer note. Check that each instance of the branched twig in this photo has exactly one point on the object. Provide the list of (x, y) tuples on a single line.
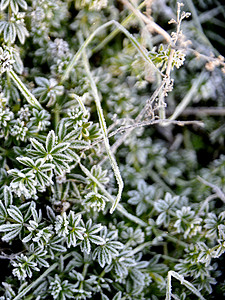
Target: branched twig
[(145, 123), (137, 119), (154, 122)]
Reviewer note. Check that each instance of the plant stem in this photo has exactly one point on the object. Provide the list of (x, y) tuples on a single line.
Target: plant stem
[(152, 25), (140, 247)]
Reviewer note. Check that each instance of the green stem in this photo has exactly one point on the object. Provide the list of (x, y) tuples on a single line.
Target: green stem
[(56, 115), (79, 100), (35, 283), (25, 92), (158, 180), (84, 273), (140, 248), (141, 50)]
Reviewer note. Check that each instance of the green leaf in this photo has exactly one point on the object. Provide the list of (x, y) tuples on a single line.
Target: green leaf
[(50, 141), (38, 146), (22, 4), (14, 6), (4, 4), (26, 161), (15, 213), (118, 296), (60, 148), (12, 229), (8, 199)]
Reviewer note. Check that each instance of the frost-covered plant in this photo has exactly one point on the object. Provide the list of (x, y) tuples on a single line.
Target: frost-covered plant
[(111, 187)]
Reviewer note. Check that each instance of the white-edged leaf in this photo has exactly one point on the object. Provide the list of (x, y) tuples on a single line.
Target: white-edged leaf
[(37, 145), (59, 148), (41, 81), (4, 4), (58, 248), (12, 32), (8, 198), (12, 234), (9, 227), (22, 4), (61, 157), (79, 144), (86, 246), (96, 239), (118, 296), (6, 32), (42, 262), (50, 213), (15, 213), (14, 6), (26, 161), (61, 130), (73, 155), (50, 141)]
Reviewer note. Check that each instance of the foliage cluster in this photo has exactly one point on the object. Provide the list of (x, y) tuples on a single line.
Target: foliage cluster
[(112, 163)]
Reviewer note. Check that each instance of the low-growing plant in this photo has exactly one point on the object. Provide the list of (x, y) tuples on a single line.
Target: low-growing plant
[(112, 149)]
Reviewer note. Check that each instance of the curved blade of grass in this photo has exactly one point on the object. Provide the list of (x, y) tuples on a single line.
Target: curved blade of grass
[(104, 131), (141, 50), (119, 208), (182, 281), (24, 91), (116, 31)]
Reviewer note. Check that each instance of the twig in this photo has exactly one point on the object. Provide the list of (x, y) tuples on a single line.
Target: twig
[(154, 122), (186, 283), (215, 188), (201, 111), (145, 123)]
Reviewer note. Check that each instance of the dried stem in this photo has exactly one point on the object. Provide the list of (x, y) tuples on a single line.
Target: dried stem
[(152, 26), (220, 194)]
